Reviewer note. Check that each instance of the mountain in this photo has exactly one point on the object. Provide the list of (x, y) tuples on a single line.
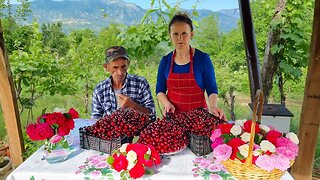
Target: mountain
[(96, 14)]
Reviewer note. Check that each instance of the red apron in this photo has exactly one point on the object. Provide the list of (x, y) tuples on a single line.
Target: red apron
[(183, 90)]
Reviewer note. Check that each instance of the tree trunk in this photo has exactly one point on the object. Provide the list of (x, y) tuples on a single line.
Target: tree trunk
[(281, 89), (86, 99), (232, 101), (271, 61)]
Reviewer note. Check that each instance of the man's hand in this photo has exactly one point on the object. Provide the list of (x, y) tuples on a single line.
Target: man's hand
[(219, 112), (124, 101)]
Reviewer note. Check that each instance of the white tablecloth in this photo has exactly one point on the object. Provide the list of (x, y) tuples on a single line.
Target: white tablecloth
[(176, 167)]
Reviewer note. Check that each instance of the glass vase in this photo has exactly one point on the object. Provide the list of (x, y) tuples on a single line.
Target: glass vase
[(57, 155)]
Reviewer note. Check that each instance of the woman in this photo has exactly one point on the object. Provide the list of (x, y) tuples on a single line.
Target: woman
[(186, 73)]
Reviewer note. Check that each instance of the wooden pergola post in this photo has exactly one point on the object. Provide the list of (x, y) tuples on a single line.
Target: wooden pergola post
[(9, 106), (310, 113)]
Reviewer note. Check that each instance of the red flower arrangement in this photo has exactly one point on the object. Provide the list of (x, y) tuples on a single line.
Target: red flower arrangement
[(52, 127), (132, 159)]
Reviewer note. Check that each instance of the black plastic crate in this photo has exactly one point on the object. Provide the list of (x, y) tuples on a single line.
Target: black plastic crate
[(95, 143), (200, 145)]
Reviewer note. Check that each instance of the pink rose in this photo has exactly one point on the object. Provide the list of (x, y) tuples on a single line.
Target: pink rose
[(55, 139), (215, 177), (282, 162), (265, 162), (222, 152), (205, 163), (216, 133), (217, 142), (282, 142), (214, 168), (289, 153), (95, 173)]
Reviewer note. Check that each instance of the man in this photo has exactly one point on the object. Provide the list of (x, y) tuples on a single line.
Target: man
[(121, 90)]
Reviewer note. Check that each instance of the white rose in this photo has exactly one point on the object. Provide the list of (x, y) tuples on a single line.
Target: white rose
[(131, 164), (240, 122), (245, 137), (123, 148), (244, 150), (131, 156), (265, 145), (264, 127), (236, 130), (293, 137)]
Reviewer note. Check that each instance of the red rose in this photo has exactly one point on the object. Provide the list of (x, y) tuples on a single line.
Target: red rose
[(69, 123), (273, 135), (225, 128), (55, 118), (120, 162), (43, 131), (235, 143), (234, 154), (155, 155), (247, 127), (74, 114), (137, 171), (32, 131), (254, 158), (63, 130), (140, 149)]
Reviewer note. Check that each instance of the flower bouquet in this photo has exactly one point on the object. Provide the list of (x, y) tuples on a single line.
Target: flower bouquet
[(132, 160), (250, 150), (53, 127)]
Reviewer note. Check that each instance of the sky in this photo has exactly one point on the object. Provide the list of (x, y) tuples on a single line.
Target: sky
[(213, 5)]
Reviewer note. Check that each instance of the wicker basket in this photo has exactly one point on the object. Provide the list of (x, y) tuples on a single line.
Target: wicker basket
[(247, 170), (95, 143), (200, 145)]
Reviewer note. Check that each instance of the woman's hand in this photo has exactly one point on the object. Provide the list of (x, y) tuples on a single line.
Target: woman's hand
[(168, 107), (219, 112)]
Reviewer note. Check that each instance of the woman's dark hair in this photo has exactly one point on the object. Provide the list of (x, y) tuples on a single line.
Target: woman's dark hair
[(181, 17)]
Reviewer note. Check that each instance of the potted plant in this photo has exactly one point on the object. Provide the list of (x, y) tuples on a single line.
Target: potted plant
[(5, 162)]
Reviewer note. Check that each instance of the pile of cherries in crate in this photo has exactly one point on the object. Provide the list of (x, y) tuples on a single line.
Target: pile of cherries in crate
[(164, 136), (122, 122), (170, 134)]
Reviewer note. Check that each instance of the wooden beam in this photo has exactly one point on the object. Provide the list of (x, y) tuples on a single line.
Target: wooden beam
[(310, 114), (250, 47), (9, 106)]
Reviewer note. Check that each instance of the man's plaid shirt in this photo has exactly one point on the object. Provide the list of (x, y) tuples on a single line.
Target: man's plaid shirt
[(104, 99)]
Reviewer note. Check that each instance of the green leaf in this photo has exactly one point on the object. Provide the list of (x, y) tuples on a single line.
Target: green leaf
[(149, 171), (146, 156), (135, 139), (43, 111), (239, 156), (67, 115), (54, 126), (110, 160)]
